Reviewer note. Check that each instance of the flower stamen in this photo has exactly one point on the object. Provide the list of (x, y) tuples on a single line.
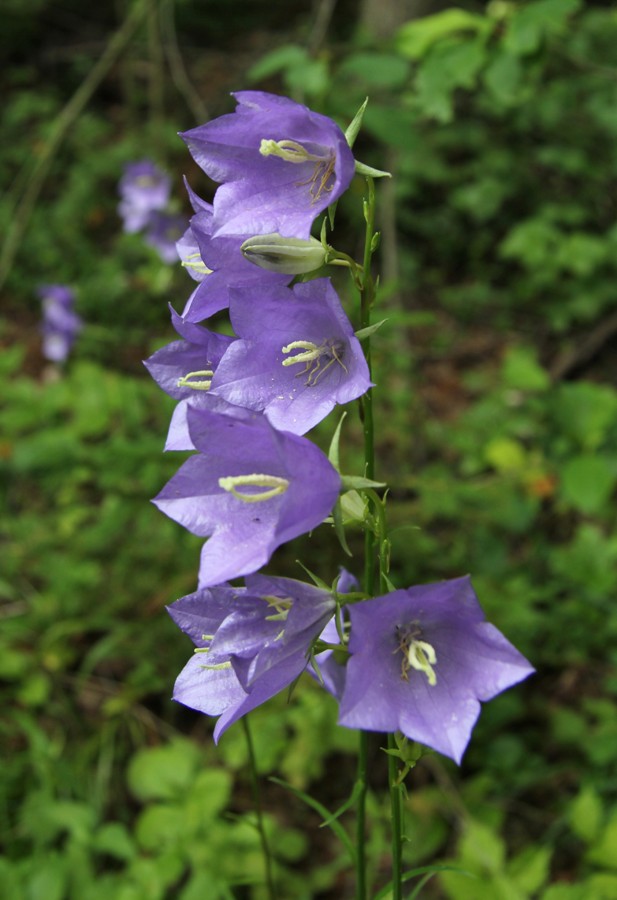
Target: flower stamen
[(194, 261), (314, 356)]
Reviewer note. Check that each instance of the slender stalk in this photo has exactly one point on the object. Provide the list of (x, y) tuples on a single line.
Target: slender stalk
[(361, 817), (265, 848), (397, 821), (367, 295), (376, 537)]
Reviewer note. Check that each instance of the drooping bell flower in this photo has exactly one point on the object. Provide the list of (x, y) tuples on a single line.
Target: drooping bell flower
[(144, 189), (249, 489), (61, 324), (422, 660), (296, 357), (252, 643), (279, 164)]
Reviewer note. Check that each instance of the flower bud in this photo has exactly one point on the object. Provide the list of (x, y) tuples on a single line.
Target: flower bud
[(288, 255)]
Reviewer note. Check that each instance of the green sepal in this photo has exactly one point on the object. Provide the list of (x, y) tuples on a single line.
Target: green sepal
[(317, 581), (370, 172), (333, 452), (359, 483), (409, 753), (339, 528), (364, 333), (354, 126), (353, 507), (391, 587), (375, 241)]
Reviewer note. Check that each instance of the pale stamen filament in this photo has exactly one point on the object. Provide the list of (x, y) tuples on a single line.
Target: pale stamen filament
[(194, 261), (314, 357)]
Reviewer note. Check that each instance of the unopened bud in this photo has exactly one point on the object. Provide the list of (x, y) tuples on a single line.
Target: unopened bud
[(287, 255)]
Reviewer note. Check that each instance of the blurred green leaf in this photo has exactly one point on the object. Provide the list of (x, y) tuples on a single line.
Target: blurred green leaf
[(415, 38)]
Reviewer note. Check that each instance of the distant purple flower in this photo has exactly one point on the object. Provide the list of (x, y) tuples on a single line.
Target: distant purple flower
[(163, 233), (421, 661), (217, 264), (253, 642), (144, 189), (280, 165), (297, 356), (250, 489), (185, 368), (60, 325)]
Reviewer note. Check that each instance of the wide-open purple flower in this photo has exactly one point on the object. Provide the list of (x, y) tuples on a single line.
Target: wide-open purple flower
[(252, 643), (61, 324), (217, 264), (297, 355), (250, 488), (280, 165), (144, 188), (421, 661)]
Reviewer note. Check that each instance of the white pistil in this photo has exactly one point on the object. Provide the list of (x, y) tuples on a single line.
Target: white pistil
[(194, 261), (293, 152), (272, 484), (290, 151), (201, 384), (422, 657)]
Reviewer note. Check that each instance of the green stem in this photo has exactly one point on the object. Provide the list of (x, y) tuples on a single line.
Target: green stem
[(397, 821), (367, 296), (376, 538), (361, 817), (258, 809)]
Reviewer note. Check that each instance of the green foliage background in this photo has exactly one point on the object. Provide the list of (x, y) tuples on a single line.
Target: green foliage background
[(497, 430)]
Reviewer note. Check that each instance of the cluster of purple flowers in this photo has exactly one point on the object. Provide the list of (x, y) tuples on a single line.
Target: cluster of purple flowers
[(60, 323), (417, 660), (144, 191)]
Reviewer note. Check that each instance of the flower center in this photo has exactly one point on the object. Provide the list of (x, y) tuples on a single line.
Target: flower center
[(147, 181), (194, 261), (417, 654), (318, 358), (280, 605), (293, 152), (260, 487), (201, 380)]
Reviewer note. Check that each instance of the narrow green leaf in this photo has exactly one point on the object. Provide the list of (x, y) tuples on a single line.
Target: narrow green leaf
[(325, 813), (359, 483), (369, 330), (363, 169), (339, 528), (354, 126), (333, 452)]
